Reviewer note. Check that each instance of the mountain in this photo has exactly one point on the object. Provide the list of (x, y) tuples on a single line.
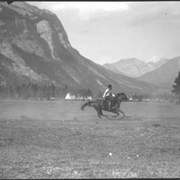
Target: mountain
[(158, 63), (134, 67), (34, 47), (165, 75), (131, 67)]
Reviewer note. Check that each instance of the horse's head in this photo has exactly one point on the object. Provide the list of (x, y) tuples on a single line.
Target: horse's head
[(122, 97)]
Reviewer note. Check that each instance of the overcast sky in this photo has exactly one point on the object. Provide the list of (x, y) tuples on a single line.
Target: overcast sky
[(106, 32)]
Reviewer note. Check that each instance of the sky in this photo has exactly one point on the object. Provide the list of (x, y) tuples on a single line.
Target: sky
[(106, 32)]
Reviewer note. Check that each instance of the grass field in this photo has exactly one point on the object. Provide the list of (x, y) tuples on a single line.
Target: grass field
[(55, 139)]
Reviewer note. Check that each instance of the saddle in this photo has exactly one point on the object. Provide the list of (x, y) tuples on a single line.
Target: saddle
[(105, 104)]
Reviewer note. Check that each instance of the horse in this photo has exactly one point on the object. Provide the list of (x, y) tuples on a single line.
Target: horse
[(99, 105)]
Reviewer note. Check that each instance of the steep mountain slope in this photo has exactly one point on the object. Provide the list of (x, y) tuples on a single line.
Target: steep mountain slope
[(165, 75), (131, 67), (34, 47)]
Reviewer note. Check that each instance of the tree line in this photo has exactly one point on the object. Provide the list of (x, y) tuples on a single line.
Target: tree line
[(176, 88), (164, 95), (46, 91), (39, 91)]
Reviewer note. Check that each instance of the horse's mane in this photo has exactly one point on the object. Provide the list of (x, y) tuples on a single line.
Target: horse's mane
[(119, 94)]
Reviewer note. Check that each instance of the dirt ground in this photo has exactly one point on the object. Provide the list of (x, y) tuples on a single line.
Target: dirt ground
[(58, 140)]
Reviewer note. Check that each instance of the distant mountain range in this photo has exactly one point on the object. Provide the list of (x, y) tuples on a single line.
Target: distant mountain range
[(134, 67), (161, 73), (131, 67), (34, 47), (158, 63), (164, 75)]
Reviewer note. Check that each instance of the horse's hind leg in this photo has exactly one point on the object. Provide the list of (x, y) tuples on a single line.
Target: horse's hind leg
[(98, 112), (122, 113), (99, 115)]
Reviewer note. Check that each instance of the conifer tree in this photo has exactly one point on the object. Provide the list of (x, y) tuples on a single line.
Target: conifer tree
[(176, 87)]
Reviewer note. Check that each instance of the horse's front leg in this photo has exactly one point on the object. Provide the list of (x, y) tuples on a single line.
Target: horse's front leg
[(117, 114), (104, 115)]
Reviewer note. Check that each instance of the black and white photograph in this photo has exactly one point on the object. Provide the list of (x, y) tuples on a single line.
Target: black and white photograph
[(89, 89)]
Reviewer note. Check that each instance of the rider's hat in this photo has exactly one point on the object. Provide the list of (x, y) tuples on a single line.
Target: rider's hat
[(109, 86)]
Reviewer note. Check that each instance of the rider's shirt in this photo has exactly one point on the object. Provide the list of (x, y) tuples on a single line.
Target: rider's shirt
[(107, 93)]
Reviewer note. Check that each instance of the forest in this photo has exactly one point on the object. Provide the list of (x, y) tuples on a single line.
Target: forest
[(39, 91)]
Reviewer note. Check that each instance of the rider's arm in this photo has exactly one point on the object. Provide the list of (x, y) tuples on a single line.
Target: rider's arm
[(104, 95)]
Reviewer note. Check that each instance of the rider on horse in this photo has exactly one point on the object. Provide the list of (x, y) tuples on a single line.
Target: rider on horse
[(107, 96)]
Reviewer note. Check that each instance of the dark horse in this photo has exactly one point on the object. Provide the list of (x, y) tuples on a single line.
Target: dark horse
[(99, 105)]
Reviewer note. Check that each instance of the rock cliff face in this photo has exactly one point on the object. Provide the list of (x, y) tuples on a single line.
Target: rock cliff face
[(34, 47)]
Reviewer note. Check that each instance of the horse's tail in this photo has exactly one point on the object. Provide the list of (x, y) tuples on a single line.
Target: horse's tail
[(86, 104)]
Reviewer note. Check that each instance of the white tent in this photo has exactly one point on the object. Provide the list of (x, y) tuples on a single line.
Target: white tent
[(69, 96), (88, 98)]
